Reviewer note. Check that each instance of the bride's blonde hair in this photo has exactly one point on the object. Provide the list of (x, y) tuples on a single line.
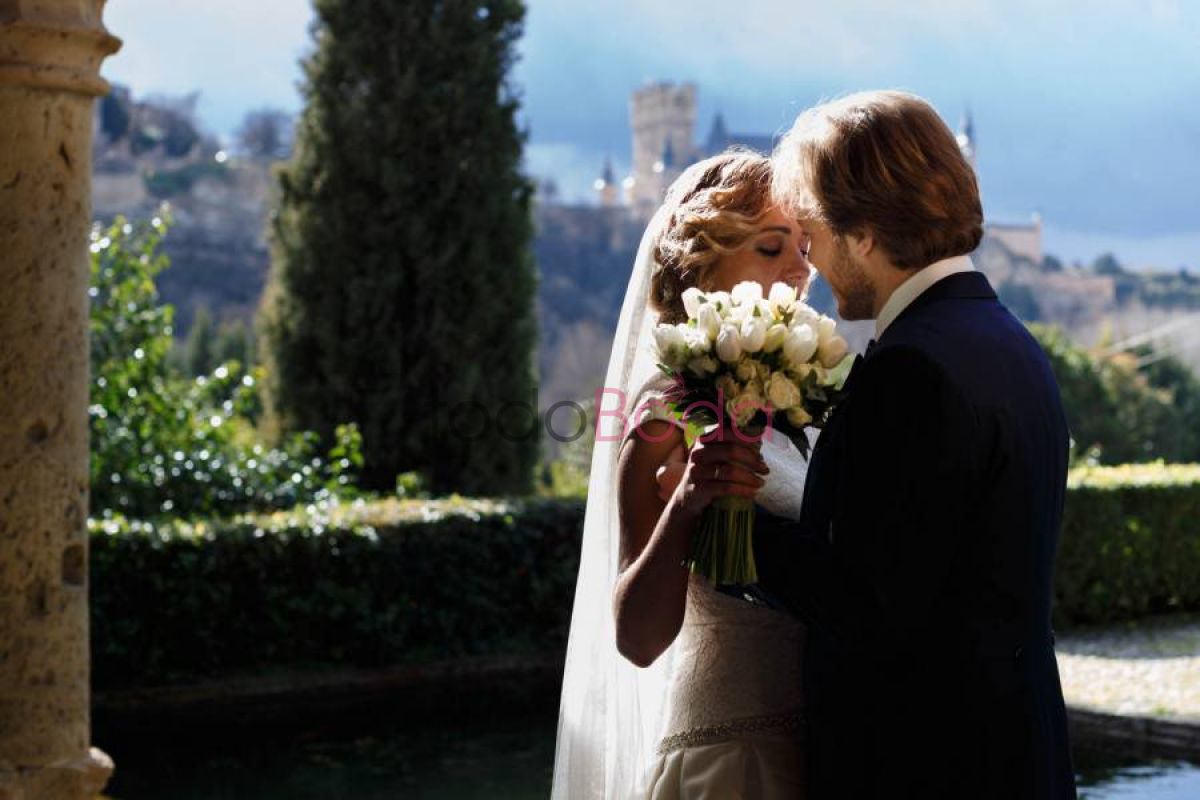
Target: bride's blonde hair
[(715, 207)]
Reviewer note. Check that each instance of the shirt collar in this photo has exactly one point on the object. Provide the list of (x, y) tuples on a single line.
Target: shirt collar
[(915, 286)]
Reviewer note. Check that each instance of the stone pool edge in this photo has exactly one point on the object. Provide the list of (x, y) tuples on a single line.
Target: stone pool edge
[(1144, 736)]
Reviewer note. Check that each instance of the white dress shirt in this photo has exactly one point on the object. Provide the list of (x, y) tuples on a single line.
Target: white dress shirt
[(917, 285)]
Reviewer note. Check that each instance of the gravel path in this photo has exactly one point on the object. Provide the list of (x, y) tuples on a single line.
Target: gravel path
[(1151, 668)]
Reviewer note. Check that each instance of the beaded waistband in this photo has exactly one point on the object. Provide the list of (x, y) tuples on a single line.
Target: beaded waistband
[(788, 722)]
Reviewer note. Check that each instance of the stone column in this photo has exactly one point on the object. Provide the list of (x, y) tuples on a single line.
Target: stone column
[(50, 55)]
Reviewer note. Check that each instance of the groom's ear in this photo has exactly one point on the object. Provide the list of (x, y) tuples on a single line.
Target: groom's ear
[(862, 242)]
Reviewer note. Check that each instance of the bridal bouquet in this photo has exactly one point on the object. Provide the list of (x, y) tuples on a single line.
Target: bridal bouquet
[(765, 361)]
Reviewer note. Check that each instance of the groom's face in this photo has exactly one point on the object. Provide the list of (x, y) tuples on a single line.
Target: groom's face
[(830, 255)]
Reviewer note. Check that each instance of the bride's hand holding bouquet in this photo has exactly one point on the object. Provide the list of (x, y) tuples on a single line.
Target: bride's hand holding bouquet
[(760, 364)]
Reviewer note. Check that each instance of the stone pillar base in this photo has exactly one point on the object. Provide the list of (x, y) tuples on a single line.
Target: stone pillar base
[(83, 779)]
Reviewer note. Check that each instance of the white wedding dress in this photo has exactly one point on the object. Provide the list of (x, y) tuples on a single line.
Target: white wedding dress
[(734, 715), (720, 713)]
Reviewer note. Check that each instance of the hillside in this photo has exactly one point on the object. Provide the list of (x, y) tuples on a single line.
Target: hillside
[(148, 153)]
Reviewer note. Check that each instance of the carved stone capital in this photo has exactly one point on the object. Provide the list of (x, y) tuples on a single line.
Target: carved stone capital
[(55, 44)]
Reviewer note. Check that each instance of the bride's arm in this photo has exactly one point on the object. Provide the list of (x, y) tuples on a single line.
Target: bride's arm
[(651, 589)]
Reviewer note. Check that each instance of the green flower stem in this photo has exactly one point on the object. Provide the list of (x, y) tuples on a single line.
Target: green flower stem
[(723, 551)]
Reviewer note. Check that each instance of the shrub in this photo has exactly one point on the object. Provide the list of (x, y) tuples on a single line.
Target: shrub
[(1118, 414), (361, 584), (162, 442), (1130, 543), (407, 581)]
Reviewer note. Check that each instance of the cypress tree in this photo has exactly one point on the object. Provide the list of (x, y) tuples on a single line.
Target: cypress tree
[(402, 287), (234, 342), (199, 357)]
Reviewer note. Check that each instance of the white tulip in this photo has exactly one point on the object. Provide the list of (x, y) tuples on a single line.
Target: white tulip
[(832, 352), (754, 334), (781, 296), (774, 338), (804, 315), (698, 341), (671, 344), (729, 343), (798, 416), (721, 301), (826, 329), (709, 320), (800, 345), (747, 292), (692, 298), (782, 393)]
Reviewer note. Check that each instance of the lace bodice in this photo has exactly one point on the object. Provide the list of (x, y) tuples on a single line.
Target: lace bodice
[(737, 665)]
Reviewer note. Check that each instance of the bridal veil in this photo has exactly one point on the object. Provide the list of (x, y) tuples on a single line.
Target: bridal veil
[(611, 711)]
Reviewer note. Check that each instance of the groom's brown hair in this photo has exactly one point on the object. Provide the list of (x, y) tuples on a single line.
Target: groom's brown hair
[(882, 162)]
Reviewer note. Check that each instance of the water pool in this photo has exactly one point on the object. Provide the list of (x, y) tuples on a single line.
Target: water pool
[(385, 751)]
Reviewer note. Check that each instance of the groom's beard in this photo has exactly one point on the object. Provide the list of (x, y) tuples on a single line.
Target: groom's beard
[(853, 289)]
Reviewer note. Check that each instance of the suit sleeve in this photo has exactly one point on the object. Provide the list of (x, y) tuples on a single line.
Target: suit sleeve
[(903, 492)]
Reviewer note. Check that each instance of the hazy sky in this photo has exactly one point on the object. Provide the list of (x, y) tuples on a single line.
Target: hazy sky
[(1087, 112)]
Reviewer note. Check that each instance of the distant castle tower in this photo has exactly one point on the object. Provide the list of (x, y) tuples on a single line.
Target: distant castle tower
[(1022, 239), (606, 186), (663, 117), (966, 138)]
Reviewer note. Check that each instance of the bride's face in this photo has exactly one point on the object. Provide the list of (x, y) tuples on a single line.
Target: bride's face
[(776, 252)]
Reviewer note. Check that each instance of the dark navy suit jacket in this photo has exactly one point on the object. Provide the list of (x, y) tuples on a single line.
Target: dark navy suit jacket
[(924, 559)]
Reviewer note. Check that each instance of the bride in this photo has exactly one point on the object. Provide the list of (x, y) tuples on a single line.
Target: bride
[(671, 688)]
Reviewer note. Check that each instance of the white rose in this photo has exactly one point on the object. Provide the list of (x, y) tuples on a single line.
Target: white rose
[(745, 404), (832, 352), (797, 416), (703, 365), (692, 299), (826, 329), (781, 297), (747, 292), (746, 370), (774, 338), (754, 334), (800, 373), (727, 386), (729, 343), (764, 372), (709, 320), (800, 345), (782, 393)]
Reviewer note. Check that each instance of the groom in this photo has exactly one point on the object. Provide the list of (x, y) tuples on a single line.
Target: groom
[(924, 557)]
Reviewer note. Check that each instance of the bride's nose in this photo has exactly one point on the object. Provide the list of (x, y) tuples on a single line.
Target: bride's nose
[(801, 268)]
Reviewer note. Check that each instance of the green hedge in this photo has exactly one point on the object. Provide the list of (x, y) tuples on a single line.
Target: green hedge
[(358, 584), (398, 581), (1130, 543)]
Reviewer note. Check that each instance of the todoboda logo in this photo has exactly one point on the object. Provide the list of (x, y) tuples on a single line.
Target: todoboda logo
[(568, 420)]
